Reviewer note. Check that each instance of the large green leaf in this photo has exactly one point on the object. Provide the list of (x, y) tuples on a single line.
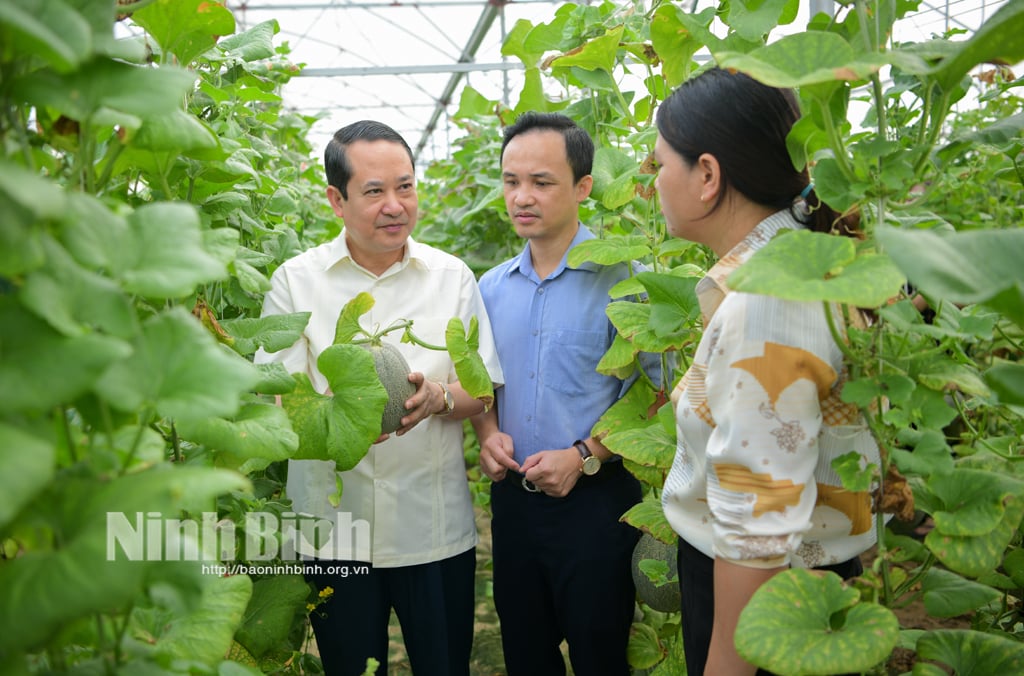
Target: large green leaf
[(673, 299), (252, 44), (1007, 380), (651, 445), (609, 251), (175, 130), (167, 257), (124, 92), (976, 515), (258, 431), (998, 40), (811, 266), (597, 54), (271, 613), (178, 368), (613, 173), (205, 634), (340, 427), (947, 594), (470, 369), (40, 368), (968, 652), (185, 28), (804, 60), (649, 517), (753, 19), (27, 463), (644, 649), (49, 29), (25, 199), (804, 622), (515, 44), (674, 42), (73, 299), (272, 333), (964, 267)]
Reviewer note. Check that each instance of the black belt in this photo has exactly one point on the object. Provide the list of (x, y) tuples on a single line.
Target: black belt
[(520, 482)]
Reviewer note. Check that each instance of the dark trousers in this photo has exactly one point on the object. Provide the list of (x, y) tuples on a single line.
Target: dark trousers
[(696, 582), (434, 603), (562, 572)]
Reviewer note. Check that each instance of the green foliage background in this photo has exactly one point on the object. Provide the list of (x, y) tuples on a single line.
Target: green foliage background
[(150, 185)]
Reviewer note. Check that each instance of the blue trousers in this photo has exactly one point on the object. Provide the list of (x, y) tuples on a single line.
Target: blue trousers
[(562, 572), (434, 603)]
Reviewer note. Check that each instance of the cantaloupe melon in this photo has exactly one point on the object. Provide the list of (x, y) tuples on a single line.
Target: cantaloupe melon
[(393, 371), (665, 598)]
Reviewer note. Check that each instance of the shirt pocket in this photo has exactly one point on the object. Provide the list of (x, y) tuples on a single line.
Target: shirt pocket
[(568, 360)]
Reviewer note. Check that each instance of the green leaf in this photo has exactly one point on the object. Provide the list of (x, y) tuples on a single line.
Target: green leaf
[(971, 652), (258, 431), (40, 368), (596, 54), (127, 92), (175, 131), (947, 594), (166, 257), (27, 463), (996, 41), (73, 299), (274, 379), (271, 612), (803, 622), (609, 251), (343, 426), (674, 42), (619, 359), (866, 391), (649, 517), (809, 266), (753, 19), (49, 29), (945, 375), (964, 267), (931, 455), (1007, 380), (347, 326), (252, 44), (613, 173), (178, 368), (272, 333), (651, 445), (644, 649), (205, 634), (673, 300), (92, 233), (515, 44), (804, 60), (469, 365), (473, 104), (27, 198), (185, 28), (633, 322)]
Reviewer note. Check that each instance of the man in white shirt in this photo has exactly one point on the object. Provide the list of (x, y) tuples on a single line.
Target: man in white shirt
[(410, 488)]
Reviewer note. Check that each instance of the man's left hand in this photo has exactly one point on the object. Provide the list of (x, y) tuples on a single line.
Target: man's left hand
[(554, 472)]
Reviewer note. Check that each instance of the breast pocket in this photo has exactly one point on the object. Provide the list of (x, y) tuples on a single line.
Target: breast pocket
[(569, 359)]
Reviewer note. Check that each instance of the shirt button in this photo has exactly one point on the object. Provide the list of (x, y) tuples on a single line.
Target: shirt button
[(531, 375), (540, 291), (529, 418), (535, 332)]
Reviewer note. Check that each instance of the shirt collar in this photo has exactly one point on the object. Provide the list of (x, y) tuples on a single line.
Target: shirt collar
[(338, 251), (523, 263), (711, 290)]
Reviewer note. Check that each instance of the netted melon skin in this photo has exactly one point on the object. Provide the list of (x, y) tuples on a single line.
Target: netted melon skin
[(393, 371)]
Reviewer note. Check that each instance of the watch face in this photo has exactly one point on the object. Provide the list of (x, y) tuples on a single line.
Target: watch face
[(591, 465)]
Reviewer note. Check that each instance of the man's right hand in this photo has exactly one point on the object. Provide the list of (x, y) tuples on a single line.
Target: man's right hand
[(497, 457)]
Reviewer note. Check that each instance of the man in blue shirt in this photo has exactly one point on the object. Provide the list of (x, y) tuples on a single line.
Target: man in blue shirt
[(561, 556)]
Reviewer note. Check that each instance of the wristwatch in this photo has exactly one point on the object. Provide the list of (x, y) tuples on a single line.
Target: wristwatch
[(449, 400), (591, 463)]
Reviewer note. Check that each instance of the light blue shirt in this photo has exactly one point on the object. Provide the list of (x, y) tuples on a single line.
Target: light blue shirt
[(550, 335)]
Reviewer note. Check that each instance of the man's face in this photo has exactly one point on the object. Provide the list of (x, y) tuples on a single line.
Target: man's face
[(380, 211), (540, 195)]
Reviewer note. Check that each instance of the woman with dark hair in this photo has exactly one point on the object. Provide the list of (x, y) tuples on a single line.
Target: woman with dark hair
[(759, 418)]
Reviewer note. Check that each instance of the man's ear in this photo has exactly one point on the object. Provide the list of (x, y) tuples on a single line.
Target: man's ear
[(336, 200), (710, 177), (583, 188)]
